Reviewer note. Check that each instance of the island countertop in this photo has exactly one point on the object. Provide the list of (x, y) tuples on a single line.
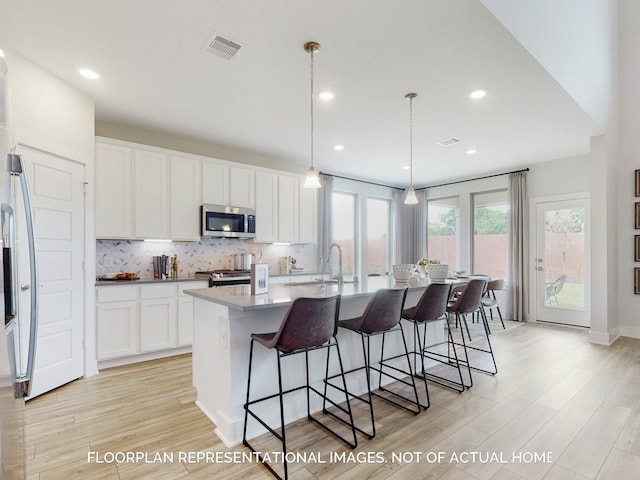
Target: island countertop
[(238, 297)]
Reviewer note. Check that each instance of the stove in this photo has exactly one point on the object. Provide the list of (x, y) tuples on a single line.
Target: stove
[(225, 277)]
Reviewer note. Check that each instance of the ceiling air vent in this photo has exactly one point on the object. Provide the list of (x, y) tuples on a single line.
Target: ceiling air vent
[(221, 46), (449, 141)]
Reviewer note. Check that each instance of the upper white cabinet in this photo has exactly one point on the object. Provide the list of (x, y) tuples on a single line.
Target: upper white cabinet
[(223, 184), (186, 194), (266, 207), (215, 184), (242, 187), (113, 192), (288, 209), (151, 194), (285, 212), (308, 225)]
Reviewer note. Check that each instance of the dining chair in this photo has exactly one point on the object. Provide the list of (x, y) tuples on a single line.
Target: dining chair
[(489, 300)]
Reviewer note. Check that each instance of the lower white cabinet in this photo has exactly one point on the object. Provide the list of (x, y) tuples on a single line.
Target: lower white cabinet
[(138, 319)]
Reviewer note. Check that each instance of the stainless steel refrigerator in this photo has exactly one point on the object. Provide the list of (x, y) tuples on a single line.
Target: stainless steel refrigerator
[(18, 341)]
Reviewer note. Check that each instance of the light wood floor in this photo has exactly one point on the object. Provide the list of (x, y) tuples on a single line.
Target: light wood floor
[(555, 392)]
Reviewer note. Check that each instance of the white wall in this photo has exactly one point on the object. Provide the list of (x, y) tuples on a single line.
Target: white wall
[(629, 160)]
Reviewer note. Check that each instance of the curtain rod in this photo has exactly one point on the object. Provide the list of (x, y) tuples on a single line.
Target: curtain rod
[(362, 181), (472, 179)]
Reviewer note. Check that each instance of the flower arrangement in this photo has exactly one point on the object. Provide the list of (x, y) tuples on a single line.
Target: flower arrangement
[(428, 261)]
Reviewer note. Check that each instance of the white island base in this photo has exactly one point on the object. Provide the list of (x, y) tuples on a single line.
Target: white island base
[(224, 318)]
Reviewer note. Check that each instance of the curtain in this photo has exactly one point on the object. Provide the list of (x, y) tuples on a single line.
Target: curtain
[(325, 234), (518, 254), (411, 225)]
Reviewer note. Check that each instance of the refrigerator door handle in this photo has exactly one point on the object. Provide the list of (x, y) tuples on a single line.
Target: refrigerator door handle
[(16, 167)]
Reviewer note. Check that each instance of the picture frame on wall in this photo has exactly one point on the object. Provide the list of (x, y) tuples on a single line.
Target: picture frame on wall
[(259, 278), (636, 256), (637, 216), (636, 282), (638, 183)]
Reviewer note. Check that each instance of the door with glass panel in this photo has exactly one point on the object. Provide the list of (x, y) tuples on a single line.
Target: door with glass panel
[(561, 262)]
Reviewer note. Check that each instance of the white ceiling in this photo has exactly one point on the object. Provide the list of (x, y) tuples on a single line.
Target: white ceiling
[(156, 76)]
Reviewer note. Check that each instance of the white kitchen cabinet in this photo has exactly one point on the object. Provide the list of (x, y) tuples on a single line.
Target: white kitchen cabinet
[(113, 192), (158, 317), (215, 183), (117, 322), (186, 194), (266, 207), (185, 311), (308, 225), (135, 321), (224, 184), (242, 187), (151, 195), (288, 209)]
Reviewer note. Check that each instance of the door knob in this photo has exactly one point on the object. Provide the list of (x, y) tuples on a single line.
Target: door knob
[(25, 286), (539, 269)]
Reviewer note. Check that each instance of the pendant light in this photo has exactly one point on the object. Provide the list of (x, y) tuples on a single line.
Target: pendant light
[(312, 180), (411, 198)]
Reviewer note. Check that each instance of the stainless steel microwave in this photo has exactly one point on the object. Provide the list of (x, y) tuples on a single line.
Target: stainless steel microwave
[(229, 222)]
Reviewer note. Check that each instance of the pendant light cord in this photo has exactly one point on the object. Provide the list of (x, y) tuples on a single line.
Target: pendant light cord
[(311, 52), (411, 142)]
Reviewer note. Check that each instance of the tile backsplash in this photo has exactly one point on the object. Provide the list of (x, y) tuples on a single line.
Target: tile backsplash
[(208, 254)]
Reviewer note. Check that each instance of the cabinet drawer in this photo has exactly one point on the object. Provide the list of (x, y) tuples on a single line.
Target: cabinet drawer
[(116, 294), (158, 291)]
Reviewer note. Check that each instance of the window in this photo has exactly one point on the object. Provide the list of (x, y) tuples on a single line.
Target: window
[(442, 230), (378, 233), (490, 233), (343, 217)]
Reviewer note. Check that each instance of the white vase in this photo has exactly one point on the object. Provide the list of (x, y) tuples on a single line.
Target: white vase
[(422, 270)]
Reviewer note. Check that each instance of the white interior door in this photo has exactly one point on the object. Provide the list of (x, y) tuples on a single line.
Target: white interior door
[(562, 262), (57, 197)]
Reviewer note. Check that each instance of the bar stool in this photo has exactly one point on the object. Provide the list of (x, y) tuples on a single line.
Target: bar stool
[(432, 306), (382, 316), (309, 324), (469, 302)]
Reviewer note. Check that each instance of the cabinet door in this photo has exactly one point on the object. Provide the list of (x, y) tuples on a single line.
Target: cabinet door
[(158, 324), (215, 184), (185, 321), (242, 187), (151, 193), (266, 207), (186, 197), (117, 329), (308, 214), (288, 209), (113, 191)]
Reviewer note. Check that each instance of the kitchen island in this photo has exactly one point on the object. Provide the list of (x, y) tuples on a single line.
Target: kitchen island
[(225, 317)]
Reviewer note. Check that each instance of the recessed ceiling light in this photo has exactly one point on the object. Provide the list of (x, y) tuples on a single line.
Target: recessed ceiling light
[(338, 147), (406, 167), (88, 73), (326, 96), (471, 151), (478, 94)]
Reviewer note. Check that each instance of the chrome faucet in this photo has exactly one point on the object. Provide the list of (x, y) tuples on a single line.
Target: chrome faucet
[(340, 276)]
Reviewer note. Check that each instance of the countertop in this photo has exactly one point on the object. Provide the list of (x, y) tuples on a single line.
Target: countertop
[(239, 297), (183, 278)]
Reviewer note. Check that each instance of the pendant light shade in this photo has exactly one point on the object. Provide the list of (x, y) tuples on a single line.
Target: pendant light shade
[(410, 198), (312, 180)]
